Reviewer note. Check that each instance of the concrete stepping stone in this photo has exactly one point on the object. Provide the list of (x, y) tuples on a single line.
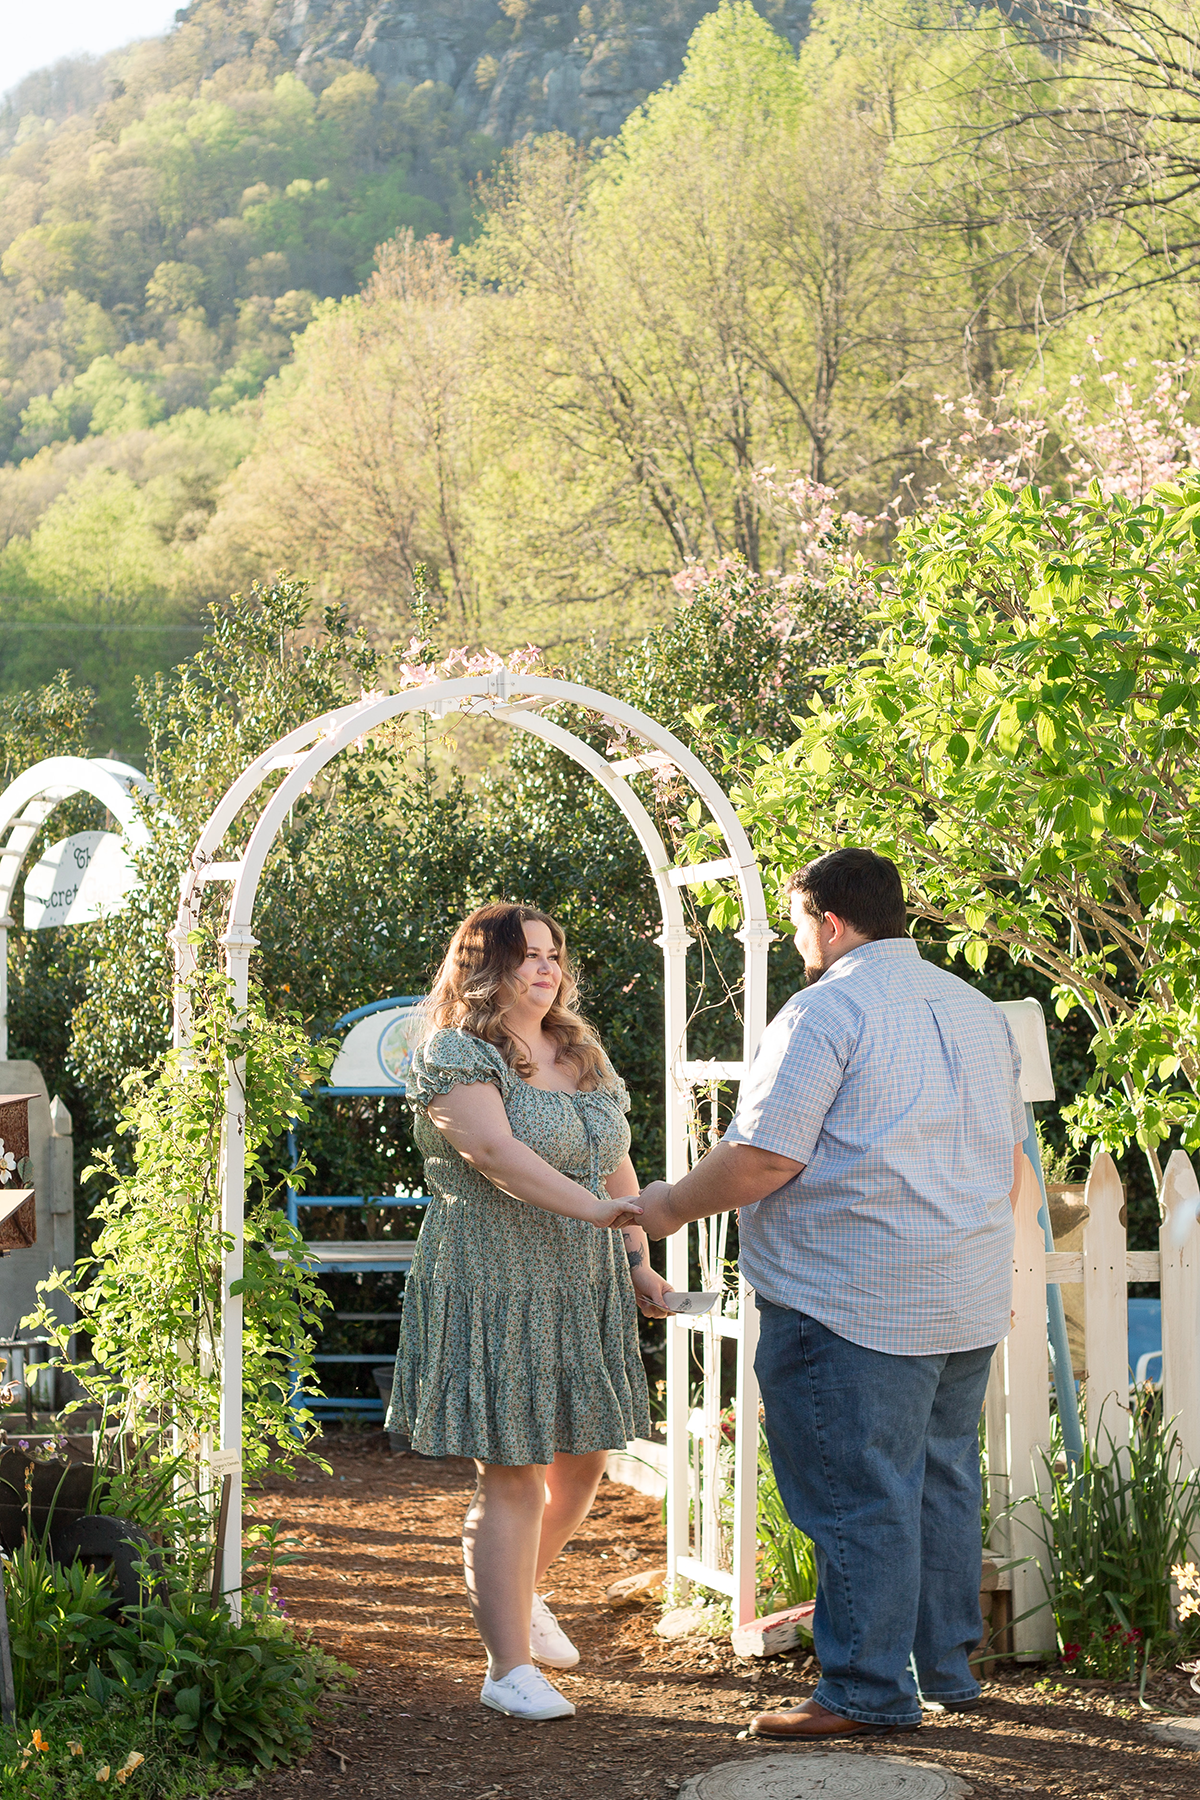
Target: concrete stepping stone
[(824, 1775), (1182, 1734)]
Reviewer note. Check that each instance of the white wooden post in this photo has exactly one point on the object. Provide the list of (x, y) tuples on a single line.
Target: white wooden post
[(745, 1468), (237, 943), (1179, 1249), (62, 1188), (1105, 1311), (1029, 1422), (757, 938), (675, 942)]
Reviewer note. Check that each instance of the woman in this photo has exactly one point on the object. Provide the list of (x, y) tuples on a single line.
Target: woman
[(519, 1343)]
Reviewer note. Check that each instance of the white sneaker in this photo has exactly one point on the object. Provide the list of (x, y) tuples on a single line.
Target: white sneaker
[(524, 1693), (548, 1641)]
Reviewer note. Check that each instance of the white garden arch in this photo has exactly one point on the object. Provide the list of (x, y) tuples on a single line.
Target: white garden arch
[(693, 1546), (27, 803)]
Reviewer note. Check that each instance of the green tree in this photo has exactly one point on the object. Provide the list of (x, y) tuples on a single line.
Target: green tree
[(1022, 738), (366, 452)]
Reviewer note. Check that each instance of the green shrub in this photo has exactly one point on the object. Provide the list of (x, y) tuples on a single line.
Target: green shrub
[(57, 1622), (72, 1758), (238, 1692)]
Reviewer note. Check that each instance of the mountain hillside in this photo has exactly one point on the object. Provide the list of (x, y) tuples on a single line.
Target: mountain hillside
[(516, 66), (172, 214)]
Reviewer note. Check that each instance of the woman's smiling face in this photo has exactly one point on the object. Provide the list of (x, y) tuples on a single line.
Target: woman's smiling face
[(540, 972)]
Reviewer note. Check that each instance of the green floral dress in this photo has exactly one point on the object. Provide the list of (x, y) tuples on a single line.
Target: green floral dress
[(519, 1332)]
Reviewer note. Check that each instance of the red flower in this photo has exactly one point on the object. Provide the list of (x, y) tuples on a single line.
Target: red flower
[(1070, 1652)]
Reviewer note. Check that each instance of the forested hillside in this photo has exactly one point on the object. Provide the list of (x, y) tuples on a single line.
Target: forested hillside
[(349, 287)]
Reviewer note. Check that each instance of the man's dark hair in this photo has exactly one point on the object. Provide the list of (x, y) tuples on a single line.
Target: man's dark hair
[(858, 886)]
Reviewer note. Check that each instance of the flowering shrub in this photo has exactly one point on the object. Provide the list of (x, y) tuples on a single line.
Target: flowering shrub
[(1133, 446), (818, 529), (88, 1757), (415, 669), (1113, 1654), (1128, 444)]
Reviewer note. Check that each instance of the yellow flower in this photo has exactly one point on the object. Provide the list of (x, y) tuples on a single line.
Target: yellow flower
[(133, 1761), (39, 1742), (103, 1772), (74, 1748)]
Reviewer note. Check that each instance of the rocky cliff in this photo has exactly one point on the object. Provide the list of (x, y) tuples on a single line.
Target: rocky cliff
[(516, 66)]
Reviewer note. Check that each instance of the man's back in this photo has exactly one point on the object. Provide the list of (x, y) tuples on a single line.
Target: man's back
[(895, 1084)]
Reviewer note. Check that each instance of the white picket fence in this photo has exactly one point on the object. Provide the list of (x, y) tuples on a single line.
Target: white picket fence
[(1017, 1413)]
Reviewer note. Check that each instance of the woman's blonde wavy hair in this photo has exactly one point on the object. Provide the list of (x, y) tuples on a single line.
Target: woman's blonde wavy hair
[(477, 986)]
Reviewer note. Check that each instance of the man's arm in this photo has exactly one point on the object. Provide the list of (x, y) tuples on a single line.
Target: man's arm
[(731, 1175), (1018, 1171)]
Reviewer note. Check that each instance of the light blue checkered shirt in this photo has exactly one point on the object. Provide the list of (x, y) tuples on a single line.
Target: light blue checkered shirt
[(896, 1085)]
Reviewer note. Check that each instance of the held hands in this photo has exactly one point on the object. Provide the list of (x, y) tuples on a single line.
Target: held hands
[(608, 1214), (656, 1220)]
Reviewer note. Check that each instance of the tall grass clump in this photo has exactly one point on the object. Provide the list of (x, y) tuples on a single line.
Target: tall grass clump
[(787, 1561), (1115, 1527)]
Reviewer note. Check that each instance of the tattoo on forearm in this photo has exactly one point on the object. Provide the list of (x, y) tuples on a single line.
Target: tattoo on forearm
[(633, 1251)]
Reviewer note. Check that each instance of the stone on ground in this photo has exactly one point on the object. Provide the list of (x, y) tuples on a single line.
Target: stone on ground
[(1183, 1734), (825, 1775), (637, 1590)]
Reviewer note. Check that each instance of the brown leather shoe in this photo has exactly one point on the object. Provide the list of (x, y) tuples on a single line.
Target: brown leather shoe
[(812, 1720)]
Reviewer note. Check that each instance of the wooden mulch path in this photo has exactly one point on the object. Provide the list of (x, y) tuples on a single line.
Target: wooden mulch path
[(379, 1581)]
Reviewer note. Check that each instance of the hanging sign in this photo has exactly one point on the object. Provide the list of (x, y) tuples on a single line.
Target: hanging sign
[(78, 880), (376, 1053)]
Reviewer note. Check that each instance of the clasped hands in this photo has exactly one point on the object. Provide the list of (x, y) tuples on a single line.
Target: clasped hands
[(649, 1209), (656, 1220)]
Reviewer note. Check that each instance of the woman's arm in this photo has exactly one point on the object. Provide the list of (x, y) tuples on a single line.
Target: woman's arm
[(472, 1118), (648, 1286)]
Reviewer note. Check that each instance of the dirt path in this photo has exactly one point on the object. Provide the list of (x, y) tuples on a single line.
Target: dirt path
[(380, 1582)]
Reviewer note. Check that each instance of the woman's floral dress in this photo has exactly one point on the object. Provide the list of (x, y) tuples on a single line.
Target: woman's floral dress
[(519, 1332)]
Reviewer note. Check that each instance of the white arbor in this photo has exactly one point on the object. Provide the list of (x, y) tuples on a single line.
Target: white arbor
[(694, 1550)]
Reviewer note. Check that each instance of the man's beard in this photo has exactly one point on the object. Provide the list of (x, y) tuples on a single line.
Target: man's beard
[(814, 971)]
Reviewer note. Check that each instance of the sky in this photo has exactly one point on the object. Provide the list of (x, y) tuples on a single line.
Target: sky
[(37, 32)]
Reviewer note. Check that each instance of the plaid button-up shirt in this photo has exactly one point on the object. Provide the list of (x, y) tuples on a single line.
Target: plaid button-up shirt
[(896, 1085)]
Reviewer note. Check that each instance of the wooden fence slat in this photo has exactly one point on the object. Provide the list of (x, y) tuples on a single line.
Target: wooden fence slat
[(1181, 1304), (1106, 1383), (1067, 1265), (1029, 1420)]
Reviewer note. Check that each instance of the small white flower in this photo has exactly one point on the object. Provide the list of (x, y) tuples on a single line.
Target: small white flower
[(8, 1165)]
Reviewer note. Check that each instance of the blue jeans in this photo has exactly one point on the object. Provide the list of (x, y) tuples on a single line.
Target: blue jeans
[(877, 1460)]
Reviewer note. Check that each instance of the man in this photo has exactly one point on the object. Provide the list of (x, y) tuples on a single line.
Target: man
[(875, 1155)]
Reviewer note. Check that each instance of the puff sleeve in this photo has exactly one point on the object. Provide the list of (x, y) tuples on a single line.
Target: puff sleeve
[(449, 1058)]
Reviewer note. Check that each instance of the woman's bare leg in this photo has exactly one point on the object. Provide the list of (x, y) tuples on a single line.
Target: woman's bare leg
[(571, 1483), (500, 1557)]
